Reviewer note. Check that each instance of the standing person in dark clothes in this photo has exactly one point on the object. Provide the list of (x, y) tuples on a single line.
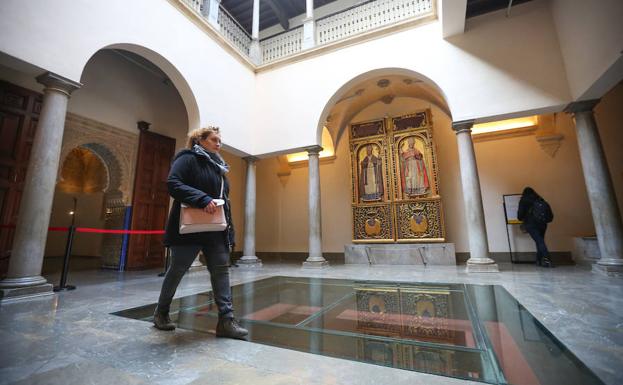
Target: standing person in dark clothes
[(195, 179), (535, 213)]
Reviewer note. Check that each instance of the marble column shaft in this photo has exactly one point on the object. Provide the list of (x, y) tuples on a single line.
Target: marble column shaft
[(248, 255), (479, 260), (604, 207), (36, 202), (315, 258)]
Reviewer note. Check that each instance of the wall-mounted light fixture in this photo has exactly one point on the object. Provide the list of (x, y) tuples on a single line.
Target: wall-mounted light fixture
[(505, 128), (327, 153)]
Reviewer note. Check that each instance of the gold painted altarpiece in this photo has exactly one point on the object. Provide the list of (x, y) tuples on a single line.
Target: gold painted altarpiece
[(395, 180)]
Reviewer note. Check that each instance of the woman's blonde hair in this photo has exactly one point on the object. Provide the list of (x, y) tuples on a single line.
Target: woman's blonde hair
[(199, 134)]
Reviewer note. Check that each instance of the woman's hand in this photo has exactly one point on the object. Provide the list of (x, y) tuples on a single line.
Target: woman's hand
[(210, 208)]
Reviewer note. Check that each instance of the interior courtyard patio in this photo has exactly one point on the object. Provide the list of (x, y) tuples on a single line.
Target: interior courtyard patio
[(379, 156)]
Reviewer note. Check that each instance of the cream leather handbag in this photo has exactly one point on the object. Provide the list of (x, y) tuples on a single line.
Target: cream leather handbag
[(196, 220)]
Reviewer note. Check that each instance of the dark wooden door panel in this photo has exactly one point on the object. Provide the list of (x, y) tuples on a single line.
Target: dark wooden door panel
[(19, 112), (150, 200)]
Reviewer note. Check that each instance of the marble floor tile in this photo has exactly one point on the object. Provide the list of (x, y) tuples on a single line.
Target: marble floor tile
[(71, 337)]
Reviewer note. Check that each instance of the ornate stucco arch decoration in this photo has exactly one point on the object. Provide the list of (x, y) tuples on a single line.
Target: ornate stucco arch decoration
[(172, 72), (352, 98), (113, 190), (115, 147)]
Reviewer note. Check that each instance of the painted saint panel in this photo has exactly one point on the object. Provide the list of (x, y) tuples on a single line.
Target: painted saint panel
[(371, 181), (395, 180), (414, 179)]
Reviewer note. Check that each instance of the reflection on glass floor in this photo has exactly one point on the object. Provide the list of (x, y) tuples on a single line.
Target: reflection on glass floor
[(477, 332)]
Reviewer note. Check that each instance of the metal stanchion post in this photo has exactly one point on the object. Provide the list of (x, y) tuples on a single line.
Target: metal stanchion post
[(70, 240)]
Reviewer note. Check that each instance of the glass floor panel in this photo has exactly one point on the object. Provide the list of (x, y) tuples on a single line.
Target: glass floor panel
[(476, 332)]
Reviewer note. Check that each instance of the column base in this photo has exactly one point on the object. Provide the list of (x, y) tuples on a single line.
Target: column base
[(316, 264), (249, 262), (609, 270), (10, 294), (486, 266)]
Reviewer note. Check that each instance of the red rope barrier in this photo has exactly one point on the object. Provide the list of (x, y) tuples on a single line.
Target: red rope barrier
[(98, 231), (104, 231)]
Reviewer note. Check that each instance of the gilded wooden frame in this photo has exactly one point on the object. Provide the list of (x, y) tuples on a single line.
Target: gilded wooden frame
[(389, 138)]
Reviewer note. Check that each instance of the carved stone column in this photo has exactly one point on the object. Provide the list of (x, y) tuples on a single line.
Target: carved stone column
[(604, 207), (249, 259), (315, 259), (309, 26), (24, 276), (479, 260)]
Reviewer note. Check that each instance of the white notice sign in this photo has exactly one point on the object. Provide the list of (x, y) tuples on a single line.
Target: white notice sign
[(511, 205)]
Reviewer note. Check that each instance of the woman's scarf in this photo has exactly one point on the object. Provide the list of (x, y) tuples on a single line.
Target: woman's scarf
[(214, 158)]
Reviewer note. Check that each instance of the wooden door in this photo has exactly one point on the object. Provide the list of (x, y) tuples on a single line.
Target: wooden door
[(150, 205), (19, 113)]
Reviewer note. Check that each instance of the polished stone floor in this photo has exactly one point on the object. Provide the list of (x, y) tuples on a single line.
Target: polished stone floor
[(71, 338)]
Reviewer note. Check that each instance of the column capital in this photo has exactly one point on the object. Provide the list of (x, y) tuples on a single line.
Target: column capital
[(55, 82), (313, 150), (581, 106), (251, 159), (463, 125)]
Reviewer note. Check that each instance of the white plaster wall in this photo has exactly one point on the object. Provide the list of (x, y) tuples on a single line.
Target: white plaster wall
[(591, 37), (500, 66), (61, 36)]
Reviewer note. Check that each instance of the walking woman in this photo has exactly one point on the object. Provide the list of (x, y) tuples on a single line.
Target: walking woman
[(195, 180), (535, 213)]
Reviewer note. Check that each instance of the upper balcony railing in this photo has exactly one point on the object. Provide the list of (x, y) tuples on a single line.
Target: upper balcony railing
[(368, 16), (282, 44), (345, 24), (233, 31)]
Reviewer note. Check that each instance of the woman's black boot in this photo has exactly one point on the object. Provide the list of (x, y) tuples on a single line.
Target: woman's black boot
[(230, 328), (162, 321)]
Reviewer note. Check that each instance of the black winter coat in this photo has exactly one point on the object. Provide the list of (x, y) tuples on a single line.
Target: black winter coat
[(195, 181)]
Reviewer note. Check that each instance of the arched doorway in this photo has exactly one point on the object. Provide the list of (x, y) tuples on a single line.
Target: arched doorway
[(80, 200), (389, 121)]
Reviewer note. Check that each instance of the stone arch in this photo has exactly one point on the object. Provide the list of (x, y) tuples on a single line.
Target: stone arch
[(174, 75), (115, 147), (113, 195), (429, 90), (110, 162), (117, 150)]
